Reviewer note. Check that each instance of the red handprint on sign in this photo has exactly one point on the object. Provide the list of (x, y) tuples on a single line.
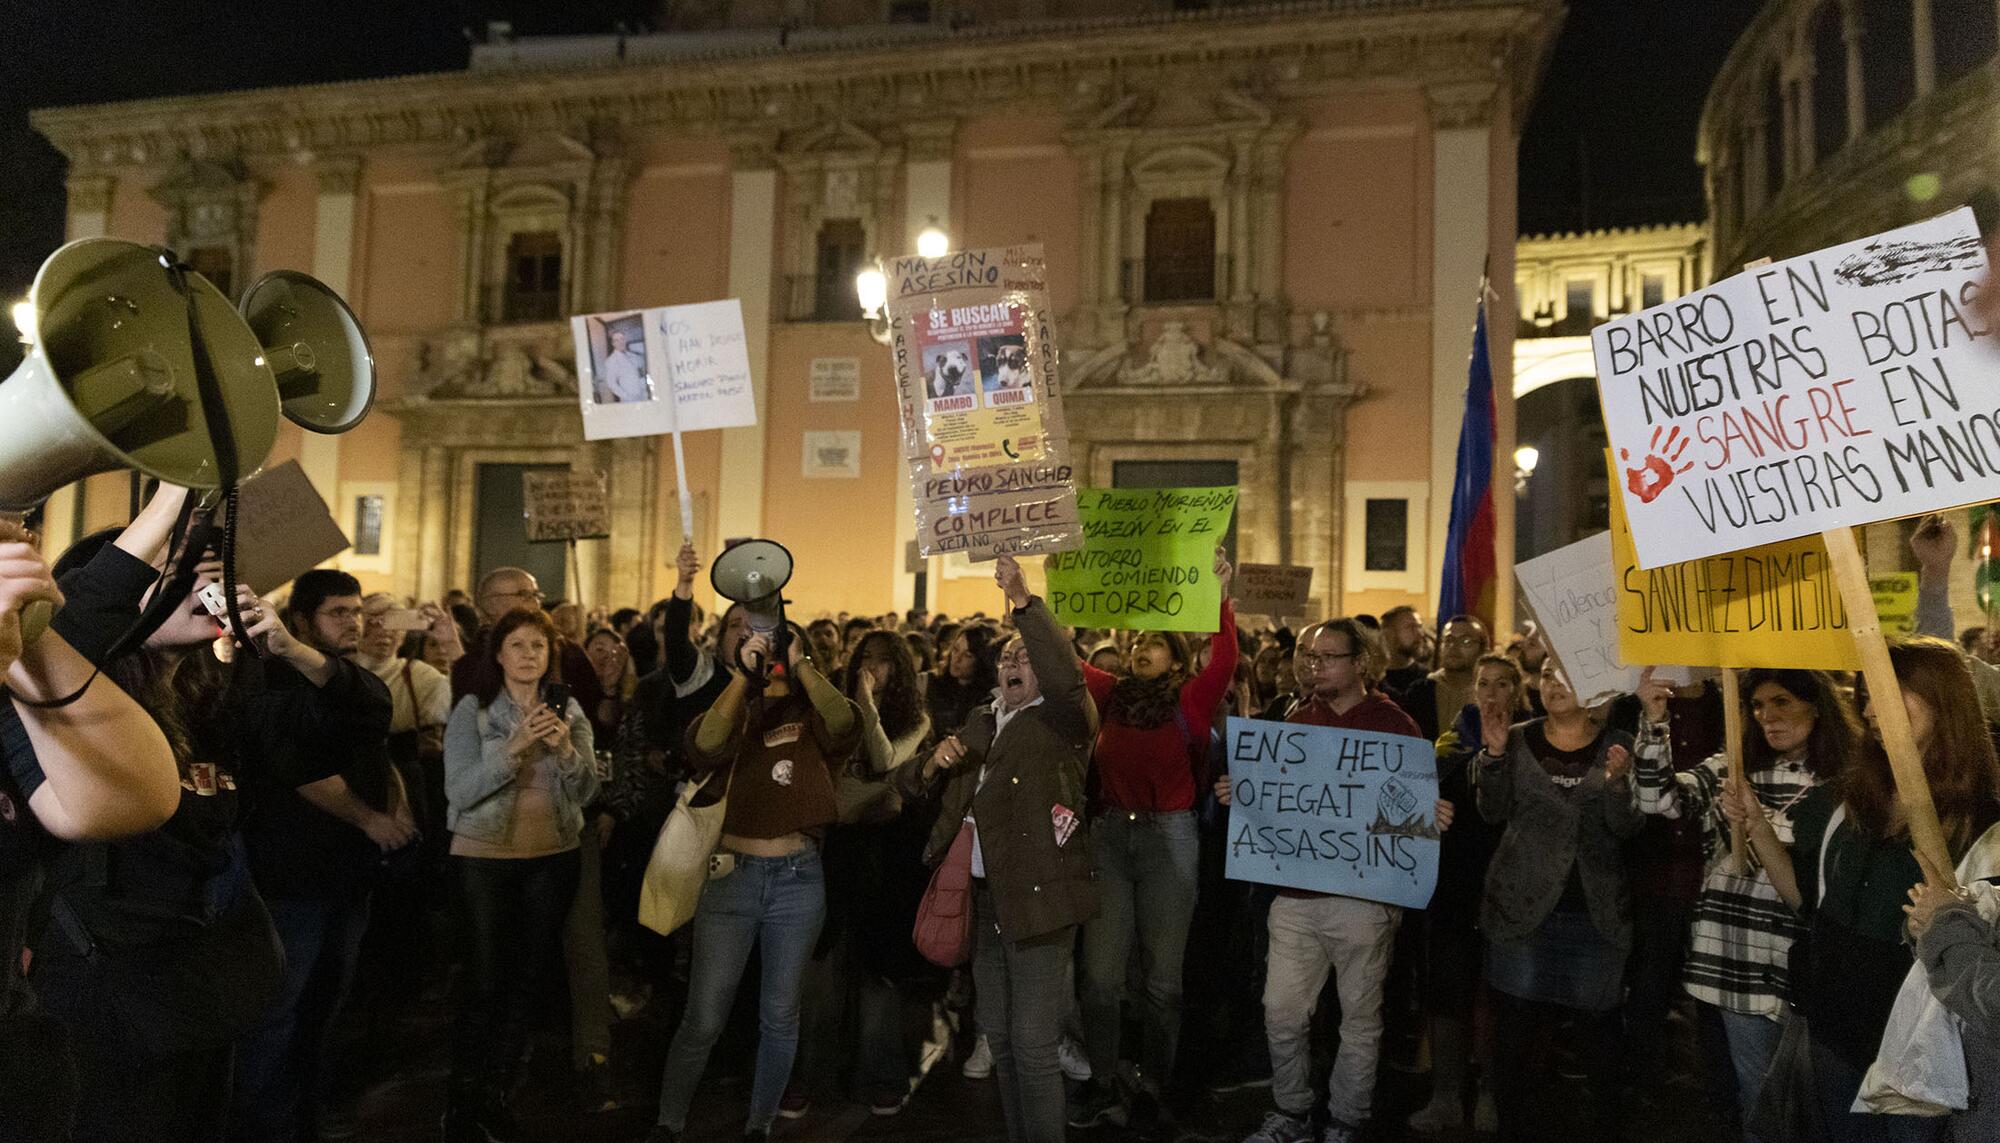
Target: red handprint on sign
[(1652, 478)]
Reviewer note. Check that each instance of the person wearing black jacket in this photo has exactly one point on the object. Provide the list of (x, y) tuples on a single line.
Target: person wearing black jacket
[(160, 952), (314, 852), (95, 769)]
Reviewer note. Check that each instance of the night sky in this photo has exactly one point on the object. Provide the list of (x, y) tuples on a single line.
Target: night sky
[(1610, 141)]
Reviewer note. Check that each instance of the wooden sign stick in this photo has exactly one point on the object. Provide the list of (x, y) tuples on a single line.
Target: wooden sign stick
[(1732, 736), (1913, 789), (576, 572)]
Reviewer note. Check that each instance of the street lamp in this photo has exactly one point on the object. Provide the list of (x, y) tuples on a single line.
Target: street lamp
[(933, 243), (1525, 459), (24, 320), (871, 289)]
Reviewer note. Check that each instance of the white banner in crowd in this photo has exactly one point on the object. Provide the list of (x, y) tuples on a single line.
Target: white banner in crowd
[(1833, 389), (1573, 593), (628, 362)]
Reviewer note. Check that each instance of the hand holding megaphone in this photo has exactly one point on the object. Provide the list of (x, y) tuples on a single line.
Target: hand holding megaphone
[(25, 582)]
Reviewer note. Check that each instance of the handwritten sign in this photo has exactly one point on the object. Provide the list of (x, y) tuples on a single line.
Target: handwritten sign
[(1573, 594), (1147, 562), (1277, 590), (283, 528), (1775, 605), (1832, 389), (1895, 601), (664, 369), (565, 506), (834, 379), (979, 398), (1352, 812)]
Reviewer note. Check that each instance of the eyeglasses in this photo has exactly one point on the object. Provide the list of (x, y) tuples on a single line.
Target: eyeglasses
[(1314, 659), (1465, 641)]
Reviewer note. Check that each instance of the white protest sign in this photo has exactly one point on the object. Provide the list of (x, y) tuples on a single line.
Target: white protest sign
[(628, 362), (1833, 389), (1574, 595)]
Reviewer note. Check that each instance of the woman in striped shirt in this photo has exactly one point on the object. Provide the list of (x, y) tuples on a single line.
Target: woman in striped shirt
[(1798, 732)]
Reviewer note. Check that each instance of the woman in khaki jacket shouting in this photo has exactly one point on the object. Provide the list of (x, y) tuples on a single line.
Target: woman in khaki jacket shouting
[(1015, 771)]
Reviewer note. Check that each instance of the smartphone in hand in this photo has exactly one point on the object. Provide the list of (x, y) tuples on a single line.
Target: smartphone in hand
[(404, 619), (556, 695)]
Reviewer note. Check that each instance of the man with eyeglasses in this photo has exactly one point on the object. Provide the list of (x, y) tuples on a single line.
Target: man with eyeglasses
[(314, 853), (1435, 700), (1313, 934), (507, 589)]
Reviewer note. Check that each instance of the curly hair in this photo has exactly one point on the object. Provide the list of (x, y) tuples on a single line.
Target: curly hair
[(898, 702)]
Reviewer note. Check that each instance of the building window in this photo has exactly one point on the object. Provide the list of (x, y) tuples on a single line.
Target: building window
[(1652, 290), (217, 264), (1387, 536), (1775, 131), (1829, 82), (1888, 59), (533, 291), (910, 11), (1180, 250), (841, 247), (1966, 36), (1579, 307), (367, 526)]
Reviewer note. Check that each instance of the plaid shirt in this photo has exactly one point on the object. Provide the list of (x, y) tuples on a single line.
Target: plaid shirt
[(1740, 941)]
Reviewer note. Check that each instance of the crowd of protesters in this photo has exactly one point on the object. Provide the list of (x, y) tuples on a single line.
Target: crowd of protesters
[(210, 850)]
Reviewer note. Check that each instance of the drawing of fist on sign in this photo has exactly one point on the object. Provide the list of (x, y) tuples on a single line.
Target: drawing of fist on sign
[(1658, 472)]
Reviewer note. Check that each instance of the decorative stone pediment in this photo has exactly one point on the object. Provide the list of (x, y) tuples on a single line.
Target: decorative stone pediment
[(1177, 359), (834, 137), (501, 363)]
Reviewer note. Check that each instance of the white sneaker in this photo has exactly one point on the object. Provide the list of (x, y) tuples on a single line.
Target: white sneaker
[(1281, 1128), (1438, 1116), (1074, 1060), (1485, 1113), (979, 1064)]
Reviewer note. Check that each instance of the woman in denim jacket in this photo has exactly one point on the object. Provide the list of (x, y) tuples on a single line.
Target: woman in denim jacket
[(517, 775)]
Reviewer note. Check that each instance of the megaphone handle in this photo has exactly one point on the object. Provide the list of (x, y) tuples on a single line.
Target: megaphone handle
[(229, 576)]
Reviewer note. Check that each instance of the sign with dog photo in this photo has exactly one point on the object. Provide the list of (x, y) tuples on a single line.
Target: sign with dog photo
[(979, 392), (980, 402)]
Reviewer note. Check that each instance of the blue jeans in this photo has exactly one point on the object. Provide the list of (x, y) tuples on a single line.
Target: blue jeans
[(282, 1066), (780, 902), (1753, 1040), (1146, 867)]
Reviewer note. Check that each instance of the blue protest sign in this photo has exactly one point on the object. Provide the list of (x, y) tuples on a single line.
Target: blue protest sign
[(1352, 812)]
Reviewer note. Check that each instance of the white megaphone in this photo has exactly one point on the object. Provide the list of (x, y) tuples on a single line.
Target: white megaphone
[(754, 573)]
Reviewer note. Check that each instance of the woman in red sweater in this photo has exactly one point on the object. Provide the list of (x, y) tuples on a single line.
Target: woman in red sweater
[(1152, 736)]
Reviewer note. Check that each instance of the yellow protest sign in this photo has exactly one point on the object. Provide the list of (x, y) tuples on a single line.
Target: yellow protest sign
[(1771, 606), (1895, 601)]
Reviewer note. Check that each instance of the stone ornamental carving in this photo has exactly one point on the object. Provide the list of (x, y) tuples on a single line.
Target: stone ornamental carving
[(507, 363), (1174, 360)]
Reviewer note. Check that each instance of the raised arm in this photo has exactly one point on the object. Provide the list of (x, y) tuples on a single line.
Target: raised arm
[(1493, 766), (1056, 666), (680, 653), (1201, 694)]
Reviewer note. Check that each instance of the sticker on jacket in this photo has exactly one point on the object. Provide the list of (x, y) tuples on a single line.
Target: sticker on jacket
[(1065, 823), (782, 772), (784, 735)]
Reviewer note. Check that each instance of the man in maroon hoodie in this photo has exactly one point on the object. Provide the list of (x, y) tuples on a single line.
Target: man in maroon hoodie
[(1316, 933)]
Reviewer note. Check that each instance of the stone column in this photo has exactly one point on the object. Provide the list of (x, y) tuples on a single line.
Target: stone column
[(926, 203), (1461, 170), (1090, 243), (1924, 45), (89, 217), (753, 207), (333, 264)]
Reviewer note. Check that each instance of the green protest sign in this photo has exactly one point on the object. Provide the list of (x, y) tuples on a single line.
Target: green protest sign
[(1147, 562)]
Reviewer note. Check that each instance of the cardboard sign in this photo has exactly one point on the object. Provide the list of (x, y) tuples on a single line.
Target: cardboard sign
[(1895, 601), (1833, 389), (629, 362), (834, 379), (1572, 592), (1280, 591), (1776, 605), (1333, 811), (1147, 562), (283, 529), (979, 395), (565, 506)]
